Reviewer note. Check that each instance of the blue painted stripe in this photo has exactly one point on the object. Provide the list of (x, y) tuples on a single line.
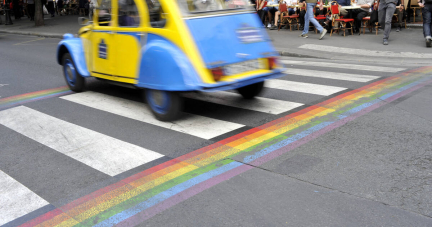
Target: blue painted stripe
[(386, 96), (8, 105), (167, 194), (285, 142)]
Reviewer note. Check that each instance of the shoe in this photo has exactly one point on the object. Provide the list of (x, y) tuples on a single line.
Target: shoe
[(273, 27), (428, 41), (304, 35), (269, 26), (398, 29), (385, 41), (323, 32)]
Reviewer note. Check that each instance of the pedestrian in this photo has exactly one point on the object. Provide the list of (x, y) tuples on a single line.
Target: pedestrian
[(386, 10), (426, 6), (92, 6), (50, 7), (359, 14), (400, 14), (59, 7), (31, 9), (16, 9), (309, 17)]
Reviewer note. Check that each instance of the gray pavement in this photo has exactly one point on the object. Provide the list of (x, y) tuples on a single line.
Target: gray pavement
[(373, 171)]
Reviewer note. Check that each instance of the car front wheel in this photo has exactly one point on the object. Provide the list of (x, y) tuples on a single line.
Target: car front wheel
[(73, 79)]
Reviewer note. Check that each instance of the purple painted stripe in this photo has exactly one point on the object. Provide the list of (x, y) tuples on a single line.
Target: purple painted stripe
[(174, 200)]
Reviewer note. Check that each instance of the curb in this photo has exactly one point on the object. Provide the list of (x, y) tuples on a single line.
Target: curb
[(40, 34)]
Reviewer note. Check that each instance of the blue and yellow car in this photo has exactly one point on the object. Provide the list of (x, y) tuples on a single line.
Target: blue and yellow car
[(166, 47)]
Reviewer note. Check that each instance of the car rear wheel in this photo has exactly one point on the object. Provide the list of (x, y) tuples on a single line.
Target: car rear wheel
[(73, 79), (165, 105), (252, 90)]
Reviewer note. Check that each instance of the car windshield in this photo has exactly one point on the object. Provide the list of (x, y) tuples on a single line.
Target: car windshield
[(203, 6)]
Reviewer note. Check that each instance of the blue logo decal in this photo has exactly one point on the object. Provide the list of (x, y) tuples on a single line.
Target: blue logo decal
[(249, 34), (103, 50)]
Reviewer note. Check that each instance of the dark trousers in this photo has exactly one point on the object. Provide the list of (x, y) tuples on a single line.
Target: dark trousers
[(427, 14), (31, 11), (400, 14), (358, 15), (385, 15), (302, 14), (50, 8)]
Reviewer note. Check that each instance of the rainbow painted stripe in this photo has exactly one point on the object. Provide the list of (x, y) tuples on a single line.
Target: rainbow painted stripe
[(33, 96), (143, 195)]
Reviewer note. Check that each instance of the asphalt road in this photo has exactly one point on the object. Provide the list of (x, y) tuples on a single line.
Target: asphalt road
[(373, 169)]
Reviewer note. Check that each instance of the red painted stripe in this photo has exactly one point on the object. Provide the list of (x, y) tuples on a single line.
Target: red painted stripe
[(42, 218)]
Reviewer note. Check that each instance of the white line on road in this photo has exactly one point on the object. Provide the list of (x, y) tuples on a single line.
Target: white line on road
[(195, 125), (104, 153), (265, 105), (16, 200), (369, 53), (309, 88), (331, 75), (344, 66)]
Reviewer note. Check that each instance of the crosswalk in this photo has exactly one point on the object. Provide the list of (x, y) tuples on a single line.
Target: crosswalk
[(214, 115)]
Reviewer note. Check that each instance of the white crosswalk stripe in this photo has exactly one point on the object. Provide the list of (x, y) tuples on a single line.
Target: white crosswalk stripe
[(195, 125), (363, 52), (265, 105), (344, 66), (331, 75), (16, 200), (104, 153), (309, 88)]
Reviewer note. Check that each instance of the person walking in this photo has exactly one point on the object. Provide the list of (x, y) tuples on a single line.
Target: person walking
[(386, 10), (50, 7), (31, 9), (93, 4), (426, 6), (309, 17)]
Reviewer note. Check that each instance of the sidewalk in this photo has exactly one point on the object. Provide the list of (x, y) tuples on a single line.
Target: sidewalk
[(406, 47), (54, 27)]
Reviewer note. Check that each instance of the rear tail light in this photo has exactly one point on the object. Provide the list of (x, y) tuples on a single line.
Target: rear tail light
[(272, 63), (218, 73)]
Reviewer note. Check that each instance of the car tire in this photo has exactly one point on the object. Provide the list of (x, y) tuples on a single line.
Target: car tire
[(73, 79), (165, 105), (252, 90)]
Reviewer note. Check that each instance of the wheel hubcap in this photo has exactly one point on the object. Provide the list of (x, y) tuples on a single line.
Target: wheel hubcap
[(70, 72)]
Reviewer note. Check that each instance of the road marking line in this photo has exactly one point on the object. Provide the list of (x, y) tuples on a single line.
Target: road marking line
[(344, 66), (104, 153), (265, 105), (16, 199), (199, 126), (309, 88), (369, 53), (331, 75), (29, 41)]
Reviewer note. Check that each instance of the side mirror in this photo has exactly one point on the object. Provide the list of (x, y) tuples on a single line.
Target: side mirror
[(83, 21)]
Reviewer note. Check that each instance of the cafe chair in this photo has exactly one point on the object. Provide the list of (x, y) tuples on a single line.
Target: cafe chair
[(286, 19), (415, 6), (342, 21)]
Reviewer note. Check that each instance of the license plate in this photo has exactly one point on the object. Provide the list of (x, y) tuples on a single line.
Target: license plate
[(242, 67)]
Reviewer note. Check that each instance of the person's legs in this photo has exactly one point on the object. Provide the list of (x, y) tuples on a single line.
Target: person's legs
[(312, 19), (308, 15), (302, 18), (382, 14), (291, 11), (400, 17), (264, 12), (276, 17), (358, 19), (427, 13), (31, 11), (388, 19)]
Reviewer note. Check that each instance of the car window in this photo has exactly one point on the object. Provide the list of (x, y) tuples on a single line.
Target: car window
[(156, 14), (104, 16), (201, 6), (128, 15)]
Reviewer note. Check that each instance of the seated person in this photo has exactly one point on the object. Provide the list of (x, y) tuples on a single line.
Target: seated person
[(104, 18), (291, 11), (271, 10), (125, 21), (359, 14), (400, 13), (302, 12)]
